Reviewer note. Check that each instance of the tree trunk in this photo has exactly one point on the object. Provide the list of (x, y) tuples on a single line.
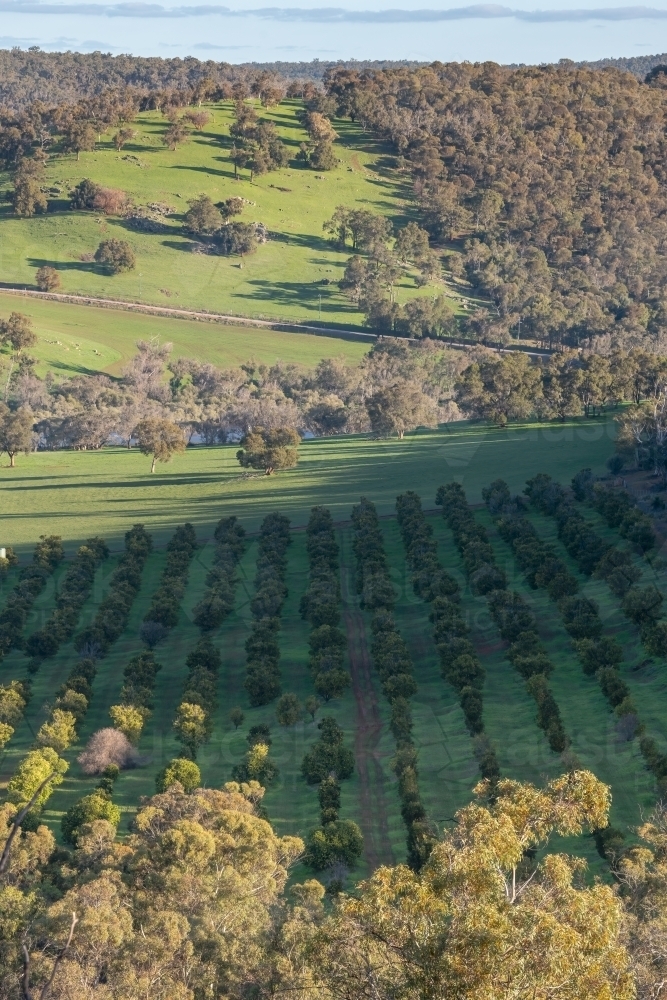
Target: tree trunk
[(154, 463), (12, 458)]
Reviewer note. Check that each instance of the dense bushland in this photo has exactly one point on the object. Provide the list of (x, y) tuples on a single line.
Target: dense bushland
[(553, 178), (150, 909)]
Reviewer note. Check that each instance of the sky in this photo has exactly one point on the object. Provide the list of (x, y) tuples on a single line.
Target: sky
[(244, 31)]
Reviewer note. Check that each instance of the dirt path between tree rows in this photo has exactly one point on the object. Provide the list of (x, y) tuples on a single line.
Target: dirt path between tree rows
[(374, 823)]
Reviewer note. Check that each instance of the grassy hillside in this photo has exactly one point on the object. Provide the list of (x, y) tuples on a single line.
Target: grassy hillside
[(83, 340), (77, 494), (284, 278)]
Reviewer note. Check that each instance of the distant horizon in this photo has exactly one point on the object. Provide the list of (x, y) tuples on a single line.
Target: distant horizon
[(245, 32)]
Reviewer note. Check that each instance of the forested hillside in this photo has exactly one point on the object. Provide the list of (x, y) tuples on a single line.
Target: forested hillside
[(547, 183)]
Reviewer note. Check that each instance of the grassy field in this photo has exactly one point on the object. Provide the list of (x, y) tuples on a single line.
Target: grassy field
[(77, 494), (292, 276), (85, 340)]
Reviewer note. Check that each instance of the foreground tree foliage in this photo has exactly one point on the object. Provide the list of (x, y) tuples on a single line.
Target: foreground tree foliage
[(193, 904), (481, 920)]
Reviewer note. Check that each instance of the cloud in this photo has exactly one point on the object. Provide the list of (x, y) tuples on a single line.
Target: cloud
[(209, 45), (329, 15)]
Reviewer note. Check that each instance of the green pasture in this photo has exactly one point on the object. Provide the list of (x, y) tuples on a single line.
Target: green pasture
[(77, 494), (293, 276), (86, 340)]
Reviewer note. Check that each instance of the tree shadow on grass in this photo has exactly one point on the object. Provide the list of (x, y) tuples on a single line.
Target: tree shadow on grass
[(203, 170), (158, 479), (186, 247), (67, 265), (317, 243), (289, 293)]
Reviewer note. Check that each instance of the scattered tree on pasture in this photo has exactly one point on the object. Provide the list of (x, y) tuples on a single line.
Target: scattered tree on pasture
[(79, 137), (47, 279), (17, 332), (28, 198), (239, 156), (160, 438), (399, 408), (175, 135), (84, 194), (269, 449), (15, 432), (123, 136), (231, 207), (202, 217), (199, 119), (237, 238), (116, 256), (110, 201)]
